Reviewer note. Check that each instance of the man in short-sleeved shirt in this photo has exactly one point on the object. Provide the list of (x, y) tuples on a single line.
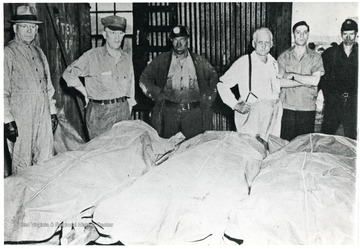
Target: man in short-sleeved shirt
[(301, 69), (109, 89)]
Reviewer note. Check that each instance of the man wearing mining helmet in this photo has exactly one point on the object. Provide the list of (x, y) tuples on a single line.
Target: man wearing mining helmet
[(183, 86), (340, 83)]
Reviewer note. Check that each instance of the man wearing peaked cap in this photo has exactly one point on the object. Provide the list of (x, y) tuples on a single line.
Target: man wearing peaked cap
[(29, 108), (183, 86), (114, 23), (300, 69), (109, 89), (340, 83)]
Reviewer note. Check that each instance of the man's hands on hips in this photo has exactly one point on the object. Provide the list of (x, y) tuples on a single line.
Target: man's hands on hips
[(242, 107)]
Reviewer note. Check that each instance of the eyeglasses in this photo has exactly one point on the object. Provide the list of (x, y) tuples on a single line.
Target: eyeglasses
[(261, 43), (27, 26)]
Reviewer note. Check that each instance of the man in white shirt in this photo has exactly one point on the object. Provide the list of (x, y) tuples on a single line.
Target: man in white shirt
[(258, 110)]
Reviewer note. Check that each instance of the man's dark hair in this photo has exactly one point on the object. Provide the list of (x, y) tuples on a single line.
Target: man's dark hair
[(301, 23)]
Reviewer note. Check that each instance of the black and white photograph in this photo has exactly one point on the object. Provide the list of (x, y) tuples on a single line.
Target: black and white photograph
[(180, 123)]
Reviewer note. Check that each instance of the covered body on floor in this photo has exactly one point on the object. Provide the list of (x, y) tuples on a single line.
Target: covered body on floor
[(219, 187)]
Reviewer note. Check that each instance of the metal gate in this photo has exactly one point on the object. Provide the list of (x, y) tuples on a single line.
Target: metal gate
[(220, 31)]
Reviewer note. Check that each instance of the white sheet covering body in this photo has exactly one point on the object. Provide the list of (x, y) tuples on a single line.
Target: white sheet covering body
[(187, 198), (303, 195), (43, 196), (66, 138)]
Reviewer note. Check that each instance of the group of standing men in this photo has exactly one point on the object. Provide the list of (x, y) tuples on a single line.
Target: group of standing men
[(276, 97), (298, 72)]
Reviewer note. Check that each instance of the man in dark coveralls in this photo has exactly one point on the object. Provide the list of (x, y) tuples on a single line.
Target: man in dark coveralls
[(183, 86), (340, 83)]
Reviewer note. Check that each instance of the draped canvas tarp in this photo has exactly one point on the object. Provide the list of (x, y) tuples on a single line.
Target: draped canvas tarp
[(305, 194), (43, 196), (187, 198), (66, 138), (141, 189)]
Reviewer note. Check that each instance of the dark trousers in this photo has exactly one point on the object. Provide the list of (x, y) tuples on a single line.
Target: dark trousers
[(295, 123), (339, 110), (100, 118), (188, 122)]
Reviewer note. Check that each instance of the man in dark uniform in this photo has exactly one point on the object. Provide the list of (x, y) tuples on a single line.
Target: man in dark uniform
[(183, 86), (340, 83)]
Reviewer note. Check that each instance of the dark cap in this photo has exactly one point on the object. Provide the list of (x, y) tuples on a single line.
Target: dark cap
[(349, 24), (114, 22), (301, 23), (25, 14), (179, 30)]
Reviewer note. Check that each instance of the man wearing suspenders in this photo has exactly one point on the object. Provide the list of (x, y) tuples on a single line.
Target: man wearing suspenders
[(258, 110)]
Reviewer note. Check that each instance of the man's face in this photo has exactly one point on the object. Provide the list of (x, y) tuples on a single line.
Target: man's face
[(348, 37), (180, 44), (113, 37), (301, 35), (26, 31), (263, 43)]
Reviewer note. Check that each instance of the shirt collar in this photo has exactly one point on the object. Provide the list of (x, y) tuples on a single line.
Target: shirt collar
[(270, 59), (105, 51), (187, 53), (21, 42), (354, 47), (306, 52)]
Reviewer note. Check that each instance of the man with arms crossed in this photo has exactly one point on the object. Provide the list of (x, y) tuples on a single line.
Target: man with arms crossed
[(300, 69)]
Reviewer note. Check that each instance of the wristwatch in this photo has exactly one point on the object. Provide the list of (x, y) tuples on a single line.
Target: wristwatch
[(293, 78)]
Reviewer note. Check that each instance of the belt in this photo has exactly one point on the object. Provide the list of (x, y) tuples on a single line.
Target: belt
[(109, 101), (182, 106), (346, 95), (343, 95)]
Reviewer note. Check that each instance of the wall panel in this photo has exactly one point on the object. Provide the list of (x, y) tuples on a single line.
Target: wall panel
[(222, 31), (72, 29)]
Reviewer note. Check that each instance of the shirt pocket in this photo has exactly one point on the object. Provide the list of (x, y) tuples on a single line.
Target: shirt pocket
[(123, 83), (105, 80), (105, 77)]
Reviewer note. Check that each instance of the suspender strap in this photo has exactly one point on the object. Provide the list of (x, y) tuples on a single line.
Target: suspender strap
[(249, 72), (250, 93)]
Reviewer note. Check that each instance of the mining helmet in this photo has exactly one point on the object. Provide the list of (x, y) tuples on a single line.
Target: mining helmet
[(349, 24), (179, 30)]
